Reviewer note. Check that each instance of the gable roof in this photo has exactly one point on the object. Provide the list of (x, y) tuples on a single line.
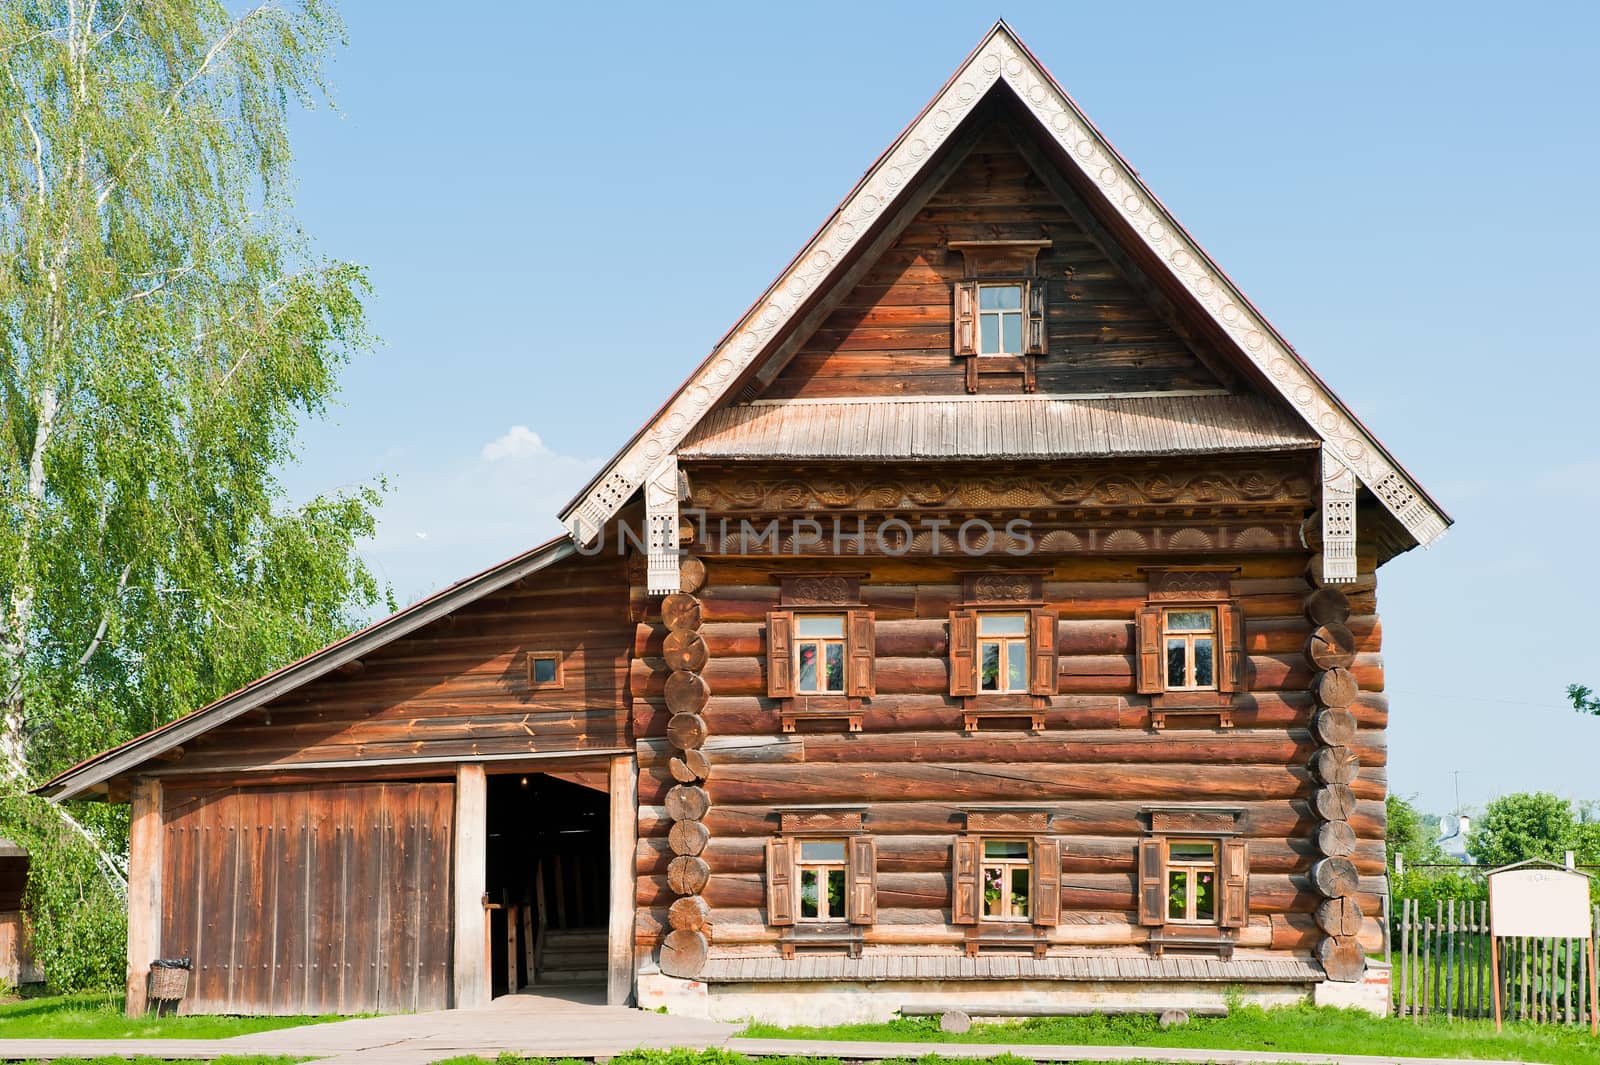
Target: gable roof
[(93, 772), (1001, 64)]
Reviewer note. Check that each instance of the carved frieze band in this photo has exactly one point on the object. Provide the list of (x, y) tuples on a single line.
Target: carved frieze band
[(1338, 521), (661, 525), (1002, 59), (856, 537)]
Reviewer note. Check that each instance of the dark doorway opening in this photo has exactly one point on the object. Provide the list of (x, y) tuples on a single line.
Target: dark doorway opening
[(548, 875)]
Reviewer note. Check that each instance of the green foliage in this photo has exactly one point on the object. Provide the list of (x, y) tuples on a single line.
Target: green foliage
[(1524, 825), (164, 328), (100, 1016), (1583, 698), (1409, 833)]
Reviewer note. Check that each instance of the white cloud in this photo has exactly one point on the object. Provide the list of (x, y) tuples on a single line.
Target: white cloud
[(517, 442)]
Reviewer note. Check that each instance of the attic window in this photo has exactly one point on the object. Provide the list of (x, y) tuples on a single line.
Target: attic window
[(544, 669), (1000, 319), (999, 312)]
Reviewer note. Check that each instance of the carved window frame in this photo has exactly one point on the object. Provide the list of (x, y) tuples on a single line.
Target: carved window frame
[(1000, 262), (1190, 588), (1221, 828), (796, 827), (1003, 592), (968, 859), (820, 594)]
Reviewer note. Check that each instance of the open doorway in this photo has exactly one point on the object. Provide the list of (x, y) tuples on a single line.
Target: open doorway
[(547, 874)]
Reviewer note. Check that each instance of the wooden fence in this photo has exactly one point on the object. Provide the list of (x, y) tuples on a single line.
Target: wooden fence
[(1442, 968)]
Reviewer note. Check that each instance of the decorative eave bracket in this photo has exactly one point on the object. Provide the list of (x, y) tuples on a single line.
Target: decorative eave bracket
[(1338, 520), (662, 492)]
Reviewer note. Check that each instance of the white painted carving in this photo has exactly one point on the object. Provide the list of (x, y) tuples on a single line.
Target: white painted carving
[(1338, 520), (661, 528), (1001, 58)]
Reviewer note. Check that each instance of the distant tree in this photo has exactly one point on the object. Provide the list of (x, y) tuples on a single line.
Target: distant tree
[(1524, 825), (164, 327), (1584, 700), (1410, 833)]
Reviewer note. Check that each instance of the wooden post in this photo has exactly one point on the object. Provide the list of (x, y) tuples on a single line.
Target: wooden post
[(471, 972), (1494, 965), (1594, 1009), (144, 891), (624, 840)]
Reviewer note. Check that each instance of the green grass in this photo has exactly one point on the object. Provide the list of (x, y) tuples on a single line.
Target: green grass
[(1302, 1029), (99, 1016), (729, 1057)]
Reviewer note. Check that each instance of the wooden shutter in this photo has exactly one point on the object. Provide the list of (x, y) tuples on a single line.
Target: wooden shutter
[(859, 658), (1043, 679), (963, 653), (1235, 876), (1045, 904), (965, 889), (1037, 339), (862, 872), (780, 654), (1230, 641), (1152, 882), (780, 881), (1152, 681), (966, 317)]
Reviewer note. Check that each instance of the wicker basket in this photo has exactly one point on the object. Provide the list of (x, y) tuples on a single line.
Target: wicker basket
[(168, 984)]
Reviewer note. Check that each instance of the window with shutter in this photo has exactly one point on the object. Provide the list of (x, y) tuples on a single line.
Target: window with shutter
[(1044, 680), (1046, 881), (1230, 672), (966, 296), (1152, 882), (780, 882), (963, 653), (1038, 341), (863, 871), (965, 891), (862, 640), (1151, 679), (780, 654), (1235, 884)]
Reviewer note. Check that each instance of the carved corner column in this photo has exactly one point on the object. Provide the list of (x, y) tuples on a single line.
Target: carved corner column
[(685, 947), (1338, 522), (663, 490), (1331, 649)]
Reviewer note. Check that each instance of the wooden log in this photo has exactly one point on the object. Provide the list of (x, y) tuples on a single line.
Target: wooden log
[(1331, 646), (1334, 728), (1339, 917), (623, 789), (691, 574), (1336, 839), (1335, 877), (1327, 606), (683, 953), (144, 891), (690, 766), (1335, 765), (685, 692), (1336, 688), (1342, 958), (687, 802), (691, 913), (680, 611), (687, 874), (690, 837), (685, 649), (687, 731), (1334, 802)]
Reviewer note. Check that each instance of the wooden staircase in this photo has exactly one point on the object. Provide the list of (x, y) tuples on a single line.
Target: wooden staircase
[(570, 956)]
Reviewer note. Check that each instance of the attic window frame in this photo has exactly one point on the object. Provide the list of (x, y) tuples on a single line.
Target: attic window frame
[(535, 684), (993, 264)]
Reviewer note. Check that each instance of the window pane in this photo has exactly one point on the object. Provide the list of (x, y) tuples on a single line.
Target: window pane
[(989, 330), (808, 893), (1177, 670), (835, 892), (822, 850), (990, 670), (1177, 894), (1003, 624), (1000, 297), (1019, 892), (1191, 852), (1017, 666), (1190, 620), (992, 877), (1204, 674), (1010, 849), (808, 668), (1011, 334), (835, 667), (818, 625), (544, 671), (1205, 894)]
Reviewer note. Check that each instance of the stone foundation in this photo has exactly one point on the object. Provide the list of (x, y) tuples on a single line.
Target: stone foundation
[(1371, 993)]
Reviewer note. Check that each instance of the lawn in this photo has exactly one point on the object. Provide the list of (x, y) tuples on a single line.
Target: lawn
[(1303, 1029), (729, 1057), (99, 1016)]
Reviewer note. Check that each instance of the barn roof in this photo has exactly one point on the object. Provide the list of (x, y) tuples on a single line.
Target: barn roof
[(996, 427), (1001, 66), (94, 772)]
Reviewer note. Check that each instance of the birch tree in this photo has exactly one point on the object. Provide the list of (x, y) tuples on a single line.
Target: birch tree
[(164, 327)]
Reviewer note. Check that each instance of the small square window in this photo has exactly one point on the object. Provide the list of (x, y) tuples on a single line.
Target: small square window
[(1007, 879), (544, 669), (1000, 319), (1003, 653), (820, 869), (1189, 638)]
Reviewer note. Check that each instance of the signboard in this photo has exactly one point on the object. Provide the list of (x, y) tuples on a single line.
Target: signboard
[(1536, 901)]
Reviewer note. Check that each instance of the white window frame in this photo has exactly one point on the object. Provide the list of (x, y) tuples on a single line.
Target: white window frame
[(822, 871), (1192, 868), (1006, 868), (1004, 644), (1188, 636), (1000, 314), (821, 643)]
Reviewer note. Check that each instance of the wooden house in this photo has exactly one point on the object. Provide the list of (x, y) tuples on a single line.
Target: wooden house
[(990, 617)]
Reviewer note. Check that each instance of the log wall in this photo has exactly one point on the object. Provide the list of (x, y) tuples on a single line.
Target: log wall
[(1096, 764)]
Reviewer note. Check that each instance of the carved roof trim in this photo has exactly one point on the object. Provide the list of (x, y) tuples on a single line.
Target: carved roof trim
[(1002, 60)]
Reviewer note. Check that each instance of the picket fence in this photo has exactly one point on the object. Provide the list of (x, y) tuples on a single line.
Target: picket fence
[(1443, 968)]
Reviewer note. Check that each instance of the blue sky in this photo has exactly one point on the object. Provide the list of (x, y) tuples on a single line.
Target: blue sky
[(562, 214)]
